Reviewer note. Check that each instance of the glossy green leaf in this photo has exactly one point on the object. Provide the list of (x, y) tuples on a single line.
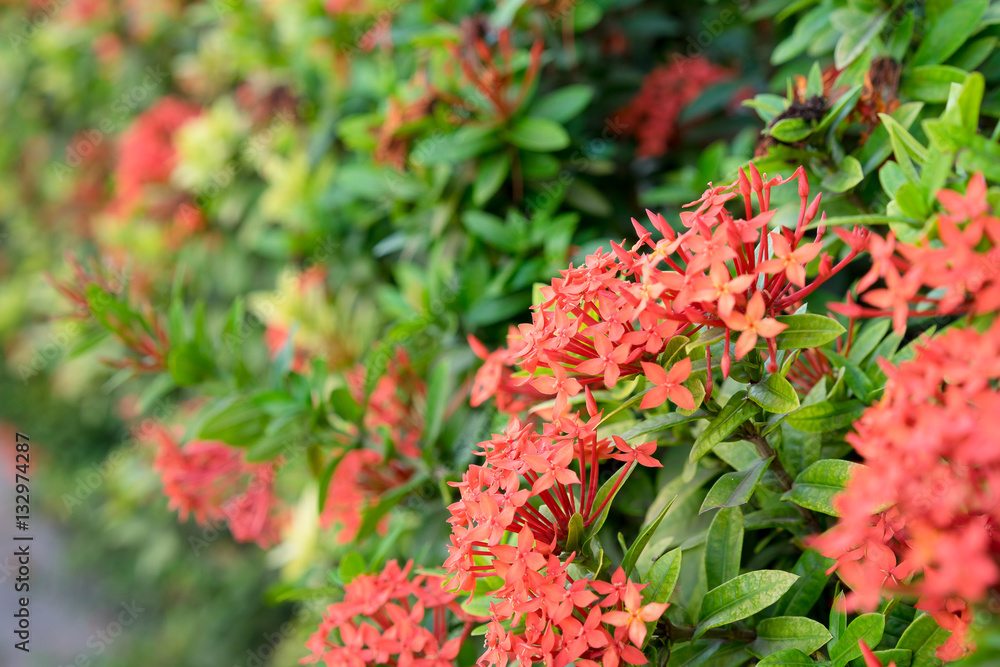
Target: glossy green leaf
[(774, 393), (790, 130), (662, 577), (622, 475), (792, 657), (737, 411), (815, 487), (867, 627), (724, 547), (807, 330), (922, 638), (807, 590), (826, 416), (789, 632), (660, 423), (852, 43), (634, 551), (735, 488), (950, 31), (930, 83), (847, 175), (742, 597)]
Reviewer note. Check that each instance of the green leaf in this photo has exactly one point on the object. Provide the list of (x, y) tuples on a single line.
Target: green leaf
[(852, 43), (789, 632), (742, 597), (187, 365), (950, 31), (563, 104), (737, 411), (619, 479), (825, 416), (724, 547), (343, 403), (351, 565), (848, 174), (922, 638), (899, 657), (662, 577), (492, 173), (634, 551), (372, 515), (867, 627), (438, 395), (792, 657), (660, 423), (774, 393), (237, 422), (790, 130), (583, 196), (807, 330), (930, 83), (574, 536), (815, 487), (491, 229), (539, 134), (807, 590), (735, 488)]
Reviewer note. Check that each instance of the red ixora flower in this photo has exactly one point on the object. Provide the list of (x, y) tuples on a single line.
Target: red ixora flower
[(609, 319), (952, 272), (920, 518), (391, 618), (212, 481), (513, 521)]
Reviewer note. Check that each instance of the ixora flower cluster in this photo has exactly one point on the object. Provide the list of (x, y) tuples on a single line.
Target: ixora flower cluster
[(957, 272), (527, 488), (610, 318), (391, 618), (920, 517), (212, 481)]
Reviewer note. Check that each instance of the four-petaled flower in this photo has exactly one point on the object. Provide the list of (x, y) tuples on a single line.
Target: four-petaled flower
[(753, 324), (668, 385), (633, 620)]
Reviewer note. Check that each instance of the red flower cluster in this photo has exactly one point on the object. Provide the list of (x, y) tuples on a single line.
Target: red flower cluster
[(360, 479), (665, 92), (921, 517), (527, 488), (389, 618), (147, 157), (392, 415), (610, 318), (212, 481), (954, 273)]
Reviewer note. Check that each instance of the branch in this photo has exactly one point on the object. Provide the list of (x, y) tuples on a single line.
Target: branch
[(765, 450)]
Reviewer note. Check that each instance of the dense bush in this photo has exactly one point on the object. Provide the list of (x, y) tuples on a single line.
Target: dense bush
[(371, 286)]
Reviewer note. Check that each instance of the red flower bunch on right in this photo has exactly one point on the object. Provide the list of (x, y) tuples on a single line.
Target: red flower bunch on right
[(921, 516), (958, 272)]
